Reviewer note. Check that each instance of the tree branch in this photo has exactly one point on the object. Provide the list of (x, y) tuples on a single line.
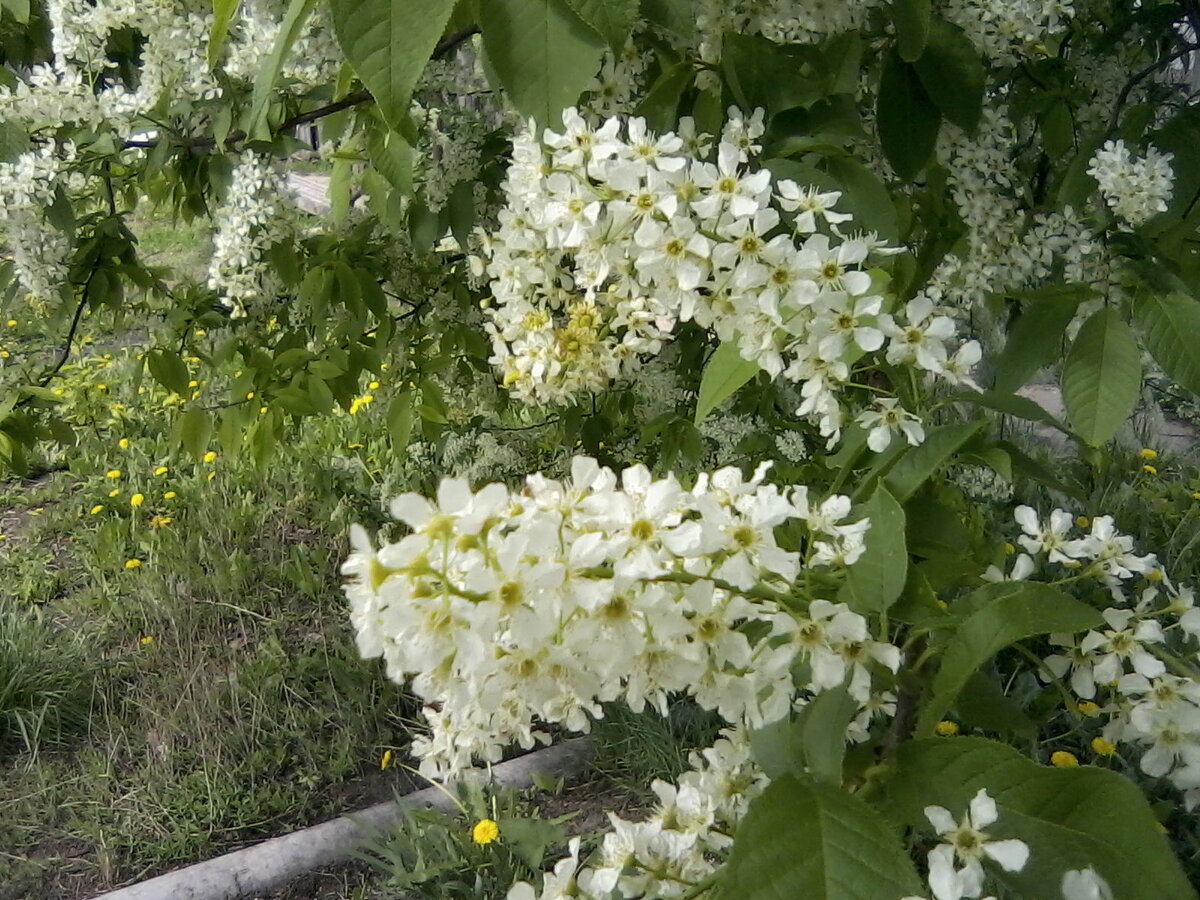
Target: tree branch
[(447, 45), (1143, 74)]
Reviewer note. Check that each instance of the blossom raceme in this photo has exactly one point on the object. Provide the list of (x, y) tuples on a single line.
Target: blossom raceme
[(506, 608), (612, 235)]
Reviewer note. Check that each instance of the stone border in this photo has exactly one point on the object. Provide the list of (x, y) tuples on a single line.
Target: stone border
[(273, 863)]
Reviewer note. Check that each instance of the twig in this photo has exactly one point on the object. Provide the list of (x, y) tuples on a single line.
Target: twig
[(1139, 76)]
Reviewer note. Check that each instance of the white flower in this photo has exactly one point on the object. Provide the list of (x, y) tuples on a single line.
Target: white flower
[(1085, 884), (969, 844), (1047, 537), (889, 418)]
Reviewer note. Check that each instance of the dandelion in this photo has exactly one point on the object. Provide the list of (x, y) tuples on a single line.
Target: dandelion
[(132, 563), (193, 384), (946, 728), (1196, 495), (113, 473), (250, 395), (1103, 746), (485, 831), (210, 456), (169, 495), (359, 402), (1147, 453), (99, 507), (146, 640), (212, 475), (386, 760), (161, 470), (1149, 470), (1064, 759), (137, 500), (12, 323), (160, 521), (373, 386), (114, 492), (123, 443)]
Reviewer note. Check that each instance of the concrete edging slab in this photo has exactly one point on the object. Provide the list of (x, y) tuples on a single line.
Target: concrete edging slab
[(276, 861)]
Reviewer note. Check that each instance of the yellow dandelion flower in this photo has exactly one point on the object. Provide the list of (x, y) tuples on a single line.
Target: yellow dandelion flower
[(161, 470), (99, 507), (386, 759), (169, 495), (114, 492), (373, 386), (354, 446), (250, 395), (1149, 470), (1063, 759), (212, 475), (1103, 746), (200, 332), (1196, 495), (160, 521), (146, 640), (137, 500), (261, 410), (210, 456), (946, 728), (193, 384), (4, 354), (113, 473), (485, 831), (132, 563), (1147, 453), (12, 323), (123, 443)]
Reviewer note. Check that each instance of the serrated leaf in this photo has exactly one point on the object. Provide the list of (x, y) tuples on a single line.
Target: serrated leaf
[(912, 27), (543, 53), (823, 733), (1102, 377), (906, 117), (876, 581), (223, 12), (1070, 818), (168, 369), (392, 157), (802, 838), (388, 43), (1026, 610), (400, 421), (953, 74), (294, 18), (195, 431), (1169, 323), (919, 463), (611, 19), (1035, 340), (725, 372)]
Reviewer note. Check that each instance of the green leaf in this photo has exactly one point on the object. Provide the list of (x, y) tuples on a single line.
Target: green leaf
[(762, 73), (611, 19), (802, 838), (542, 52), (865, 197), (195, 430), (915, 467), (823, 733), (778, 749), (294, 18), (18, 8), (906, 117), (1169, 323), (912, 27), (675, 16), (725, 372), (388, 43), (1011, 405), (660, 106), (223, 12), (876, 581), (1102, 377), (983, 704), (392, 157), (1024, 610), (400, 421), (953, 74), (168, 369), (1035, 340), (1071, 818)]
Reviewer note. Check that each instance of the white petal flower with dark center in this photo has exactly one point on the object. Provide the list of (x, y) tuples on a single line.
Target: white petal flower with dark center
[(970, 845)]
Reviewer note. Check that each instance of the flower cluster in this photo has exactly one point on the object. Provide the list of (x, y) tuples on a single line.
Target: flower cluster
[(313, 59), (39, 251), (611, 236), (1135, 189), (248, 222), (678, 845), (1009, 31), (507, 607), (1124, 662)]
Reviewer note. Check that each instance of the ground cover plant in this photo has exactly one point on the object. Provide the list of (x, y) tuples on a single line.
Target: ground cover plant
[(662, 356)]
